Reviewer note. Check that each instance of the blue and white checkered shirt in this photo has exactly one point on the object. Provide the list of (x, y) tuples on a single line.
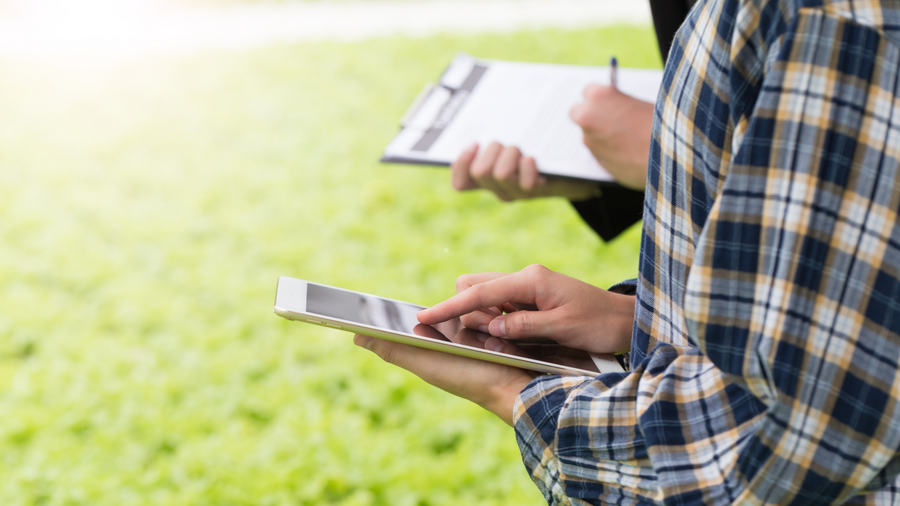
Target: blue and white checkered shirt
[(767, 334)]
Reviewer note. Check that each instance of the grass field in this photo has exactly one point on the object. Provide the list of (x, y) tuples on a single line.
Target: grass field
[(148, 207)]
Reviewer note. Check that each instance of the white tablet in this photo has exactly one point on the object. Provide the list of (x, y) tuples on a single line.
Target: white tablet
[(394, 320)]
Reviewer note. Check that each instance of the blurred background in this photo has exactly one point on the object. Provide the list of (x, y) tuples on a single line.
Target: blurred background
[(163, 162)]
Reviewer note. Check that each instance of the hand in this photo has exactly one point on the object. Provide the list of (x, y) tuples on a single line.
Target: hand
[(491, 386), (512, 176), (617, 130), (537, 302)]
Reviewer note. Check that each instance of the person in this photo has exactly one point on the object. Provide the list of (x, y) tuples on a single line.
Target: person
[(616, 130), (766, 324)]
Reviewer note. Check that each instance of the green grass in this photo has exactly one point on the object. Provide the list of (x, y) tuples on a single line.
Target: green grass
[(146, 210)]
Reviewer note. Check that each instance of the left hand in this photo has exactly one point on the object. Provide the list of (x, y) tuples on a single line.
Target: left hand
[(491, 386), (505, 171)]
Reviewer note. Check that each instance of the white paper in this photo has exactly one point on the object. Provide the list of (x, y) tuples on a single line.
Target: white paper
[(525, 105)]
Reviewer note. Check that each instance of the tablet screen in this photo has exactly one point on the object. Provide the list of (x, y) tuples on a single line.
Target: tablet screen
[(401, 317), (362, 308)]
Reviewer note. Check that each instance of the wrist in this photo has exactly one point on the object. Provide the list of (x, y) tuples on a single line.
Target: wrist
[(621, 321), (502, 398)]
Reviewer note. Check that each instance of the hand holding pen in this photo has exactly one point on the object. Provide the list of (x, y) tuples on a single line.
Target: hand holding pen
[(616, 129)]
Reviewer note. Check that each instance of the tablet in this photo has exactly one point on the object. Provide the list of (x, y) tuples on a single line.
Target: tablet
[(396, 321)]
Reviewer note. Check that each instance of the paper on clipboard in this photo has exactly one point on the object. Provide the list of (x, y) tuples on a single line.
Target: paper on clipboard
[(521, 104)]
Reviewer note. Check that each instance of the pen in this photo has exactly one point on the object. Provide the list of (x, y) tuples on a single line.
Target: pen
[(613, 67)]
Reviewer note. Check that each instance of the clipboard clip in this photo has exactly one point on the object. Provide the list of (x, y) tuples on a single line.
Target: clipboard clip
[(417, 103)]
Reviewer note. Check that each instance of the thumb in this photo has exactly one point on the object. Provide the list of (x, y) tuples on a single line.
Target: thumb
[(385, 350), (525, 324), (579, 114), (460, 177)]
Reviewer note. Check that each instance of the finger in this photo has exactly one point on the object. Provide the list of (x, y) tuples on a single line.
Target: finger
[(528, 324), (361, 340), (411, 358), (459, 170), (482, 170), (483, 166), (528, 173), (466, 281), (519, 287), (580, 114), (506, 168), (478, 320), (590, 91)]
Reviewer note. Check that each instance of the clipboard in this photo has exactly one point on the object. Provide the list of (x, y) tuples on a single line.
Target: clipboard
[(521, 104)]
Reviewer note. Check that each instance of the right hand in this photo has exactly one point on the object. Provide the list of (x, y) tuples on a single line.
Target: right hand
[(538, 302), (617, 129), (512, 176)]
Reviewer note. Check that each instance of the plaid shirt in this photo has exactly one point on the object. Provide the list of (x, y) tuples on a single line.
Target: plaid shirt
[(767, 331)]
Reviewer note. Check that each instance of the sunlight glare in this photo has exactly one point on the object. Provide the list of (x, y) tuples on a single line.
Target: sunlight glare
[(82, 27)]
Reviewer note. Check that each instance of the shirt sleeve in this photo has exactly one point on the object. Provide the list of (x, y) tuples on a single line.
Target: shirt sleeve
[(580, 442), (794, 289)]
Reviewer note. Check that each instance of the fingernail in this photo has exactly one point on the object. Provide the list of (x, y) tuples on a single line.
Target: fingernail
[(498, 347), (485, 329), (499, 329), (473, 147), (481, 338)]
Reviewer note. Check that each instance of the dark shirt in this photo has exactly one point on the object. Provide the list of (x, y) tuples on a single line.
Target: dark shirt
[(617, 207)]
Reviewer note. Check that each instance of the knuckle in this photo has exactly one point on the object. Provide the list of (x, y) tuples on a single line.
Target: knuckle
[(528, 164), (522, 326), (505, 172), (481, 169), (479, 292), (536, 270), (386, 352)]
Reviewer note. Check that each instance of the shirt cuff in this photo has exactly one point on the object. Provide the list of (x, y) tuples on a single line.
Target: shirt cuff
[(627, 287), (535, 418)]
